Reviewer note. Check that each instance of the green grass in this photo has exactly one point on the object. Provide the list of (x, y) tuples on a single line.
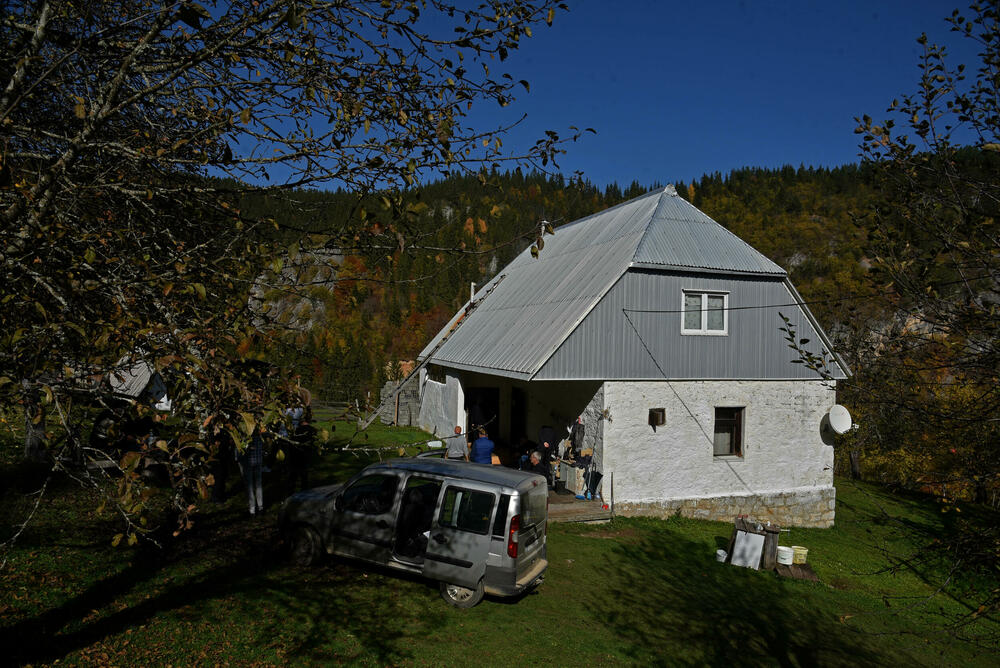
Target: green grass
[(636, 591)]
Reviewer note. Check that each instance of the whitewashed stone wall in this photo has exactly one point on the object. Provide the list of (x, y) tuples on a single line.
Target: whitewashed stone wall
[(442, 405), (785, 473), (593, 422)]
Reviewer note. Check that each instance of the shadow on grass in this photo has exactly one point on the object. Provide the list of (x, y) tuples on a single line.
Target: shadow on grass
[(673, 604), (230, 571)]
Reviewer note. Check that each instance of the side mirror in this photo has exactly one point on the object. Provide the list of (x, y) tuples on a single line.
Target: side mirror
[(338, 503)]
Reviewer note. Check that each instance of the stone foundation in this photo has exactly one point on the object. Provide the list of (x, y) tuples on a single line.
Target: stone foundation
[(801, 508)]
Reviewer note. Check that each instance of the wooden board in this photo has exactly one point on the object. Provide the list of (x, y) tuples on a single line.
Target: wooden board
[(797, 571)]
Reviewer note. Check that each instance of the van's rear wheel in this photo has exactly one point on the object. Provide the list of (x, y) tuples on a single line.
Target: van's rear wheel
[(462, 597), (305, 548)]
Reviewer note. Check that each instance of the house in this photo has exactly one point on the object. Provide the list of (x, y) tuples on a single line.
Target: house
[(138, 379), (662, 330)]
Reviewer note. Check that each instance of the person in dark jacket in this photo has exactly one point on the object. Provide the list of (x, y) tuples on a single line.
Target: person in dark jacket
[(548, 453), (536, 465), (300, 453), (223, 450)]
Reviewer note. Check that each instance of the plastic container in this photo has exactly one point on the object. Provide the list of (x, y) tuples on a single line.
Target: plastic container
[(799, 554), (720, 556), (785, 555)]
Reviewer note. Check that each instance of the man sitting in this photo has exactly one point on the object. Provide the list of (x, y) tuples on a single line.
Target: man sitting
[(542, 468)]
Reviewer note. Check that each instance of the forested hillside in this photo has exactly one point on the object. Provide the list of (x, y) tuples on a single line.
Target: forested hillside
[(391, 296)]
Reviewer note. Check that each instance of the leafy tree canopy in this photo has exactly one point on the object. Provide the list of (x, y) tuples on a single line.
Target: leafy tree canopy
[(116, 245)]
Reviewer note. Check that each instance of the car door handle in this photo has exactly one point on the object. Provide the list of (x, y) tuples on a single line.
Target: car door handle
[(382, 524), (440, 538)]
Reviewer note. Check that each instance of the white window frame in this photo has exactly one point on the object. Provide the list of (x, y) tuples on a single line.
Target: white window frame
[(703, 330)]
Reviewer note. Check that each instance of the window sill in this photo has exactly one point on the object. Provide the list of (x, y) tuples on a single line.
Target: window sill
[(694, 332), (727, 458)]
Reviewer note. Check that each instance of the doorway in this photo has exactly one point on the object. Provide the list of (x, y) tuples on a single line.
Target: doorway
[(483, 409)]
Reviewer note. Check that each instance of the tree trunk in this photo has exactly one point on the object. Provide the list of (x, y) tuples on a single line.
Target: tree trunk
[(34, 434), (855, 464)]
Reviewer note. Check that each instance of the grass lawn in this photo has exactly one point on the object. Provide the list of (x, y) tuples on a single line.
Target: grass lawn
[(635, 591)]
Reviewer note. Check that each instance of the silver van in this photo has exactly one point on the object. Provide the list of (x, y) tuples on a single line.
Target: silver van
[(474, 528)]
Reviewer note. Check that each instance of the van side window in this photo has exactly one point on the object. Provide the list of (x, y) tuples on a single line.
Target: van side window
[(467, 510), (371, 494), (500, 523)]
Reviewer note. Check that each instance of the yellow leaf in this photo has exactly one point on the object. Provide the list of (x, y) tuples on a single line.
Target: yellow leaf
[(248, 422), (80, 110), (245, 116)]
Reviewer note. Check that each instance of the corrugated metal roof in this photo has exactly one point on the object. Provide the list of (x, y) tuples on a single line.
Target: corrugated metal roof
[(540, 301), (679, 235)]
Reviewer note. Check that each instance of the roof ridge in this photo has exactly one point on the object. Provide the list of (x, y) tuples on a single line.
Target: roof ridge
[(612, 208)]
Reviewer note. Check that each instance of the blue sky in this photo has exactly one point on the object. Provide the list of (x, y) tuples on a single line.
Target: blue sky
[(676, 90)]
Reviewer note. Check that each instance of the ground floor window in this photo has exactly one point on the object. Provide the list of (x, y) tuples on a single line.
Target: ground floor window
[(728, 432)]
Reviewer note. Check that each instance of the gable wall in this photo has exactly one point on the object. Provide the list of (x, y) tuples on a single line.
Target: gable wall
[(605, 346), (785, 473)]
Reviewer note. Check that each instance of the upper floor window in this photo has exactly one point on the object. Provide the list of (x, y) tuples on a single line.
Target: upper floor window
[(705, 313)]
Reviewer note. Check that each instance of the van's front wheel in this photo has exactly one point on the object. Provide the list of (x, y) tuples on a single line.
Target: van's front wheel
[(462, 597), (305, 546)]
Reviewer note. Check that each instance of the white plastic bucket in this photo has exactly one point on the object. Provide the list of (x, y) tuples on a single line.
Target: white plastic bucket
[(720, 555), (785, 555), (799, 554)]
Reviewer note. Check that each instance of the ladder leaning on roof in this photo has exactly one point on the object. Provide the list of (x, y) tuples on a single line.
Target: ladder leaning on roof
[(469, 308)]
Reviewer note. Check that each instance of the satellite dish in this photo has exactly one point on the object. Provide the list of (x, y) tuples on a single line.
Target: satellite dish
[(840, 419)]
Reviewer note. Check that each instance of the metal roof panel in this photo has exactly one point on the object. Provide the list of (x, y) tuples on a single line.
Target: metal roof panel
[(518, 325)]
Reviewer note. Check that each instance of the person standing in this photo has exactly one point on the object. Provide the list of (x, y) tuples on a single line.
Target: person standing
[(548, 454), (222, 458), (482, 449), (457, 447), (300, 453), (251, 461)]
